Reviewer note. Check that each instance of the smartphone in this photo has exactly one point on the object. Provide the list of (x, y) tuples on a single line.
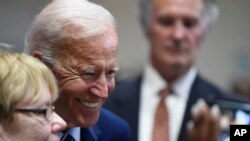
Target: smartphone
[(232, 112)]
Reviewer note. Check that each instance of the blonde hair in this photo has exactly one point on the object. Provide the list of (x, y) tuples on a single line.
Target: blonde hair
[(22, 80)]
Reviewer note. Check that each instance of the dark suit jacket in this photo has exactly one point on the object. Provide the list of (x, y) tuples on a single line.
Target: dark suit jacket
[(108, 128), (125, 102)]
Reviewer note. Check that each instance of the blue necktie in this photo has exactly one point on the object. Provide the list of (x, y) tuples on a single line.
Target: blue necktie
[(67, 137)]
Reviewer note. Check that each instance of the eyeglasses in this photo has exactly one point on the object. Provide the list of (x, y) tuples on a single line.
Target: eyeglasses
[(47, 112)]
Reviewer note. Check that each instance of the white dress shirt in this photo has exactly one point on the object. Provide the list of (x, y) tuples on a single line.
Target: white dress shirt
[(74, 132), (152, 83)]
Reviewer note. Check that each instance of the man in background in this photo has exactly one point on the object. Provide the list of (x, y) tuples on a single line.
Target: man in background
[(78, 42), (160, 104)]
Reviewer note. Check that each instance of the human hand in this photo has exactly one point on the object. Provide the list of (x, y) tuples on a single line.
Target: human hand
[(205, 123)]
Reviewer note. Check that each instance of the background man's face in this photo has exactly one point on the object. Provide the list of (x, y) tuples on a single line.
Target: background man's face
[(86, 77), (175, 32)]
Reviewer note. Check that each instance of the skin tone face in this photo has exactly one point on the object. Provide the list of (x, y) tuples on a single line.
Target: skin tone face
[(175, 32), (35, 127), (86, 77)]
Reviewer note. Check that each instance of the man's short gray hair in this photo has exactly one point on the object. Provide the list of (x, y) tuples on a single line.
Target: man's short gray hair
[(211, 12), (62, 19)]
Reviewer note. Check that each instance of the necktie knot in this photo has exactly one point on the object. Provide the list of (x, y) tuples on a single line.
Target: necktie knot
[(165, 91)]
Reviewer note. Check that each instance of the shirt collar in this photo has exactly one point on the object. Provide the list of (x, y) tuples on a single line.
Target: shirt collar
[(152, 79), (153, 82), (182, 86), (75, 132)]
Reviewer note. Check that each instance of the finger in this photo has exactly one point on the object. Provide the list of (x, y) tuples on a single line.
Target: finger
[(200, 116), (190, 131), (200, 112), (214, 124)]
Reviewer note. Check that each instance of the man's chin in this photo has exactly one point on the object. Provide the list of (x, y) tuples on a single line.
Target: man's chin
[(88, 124), (89, 121)]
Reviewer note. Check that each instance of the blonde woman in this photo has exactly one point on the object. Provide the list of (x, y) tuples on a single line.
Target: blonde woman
[(27, 92)]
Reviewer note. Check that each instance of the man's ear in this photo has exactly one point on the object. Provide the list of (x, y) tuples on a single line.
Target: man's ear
[(38, 55)]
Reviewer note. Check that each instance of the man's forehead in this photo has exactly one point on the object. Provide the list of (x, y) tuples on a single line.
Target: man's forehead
[(81, 46), (85, 44), (87, 48), (89, 61)]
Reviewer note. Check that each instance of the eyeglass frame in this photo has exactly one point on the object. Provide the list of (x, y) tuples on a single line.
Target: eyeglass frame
[(45, 111)]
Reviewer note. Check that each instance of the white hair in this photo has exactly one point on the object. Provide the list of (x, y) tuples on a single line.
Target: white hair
[(65, 18), (210, 15)]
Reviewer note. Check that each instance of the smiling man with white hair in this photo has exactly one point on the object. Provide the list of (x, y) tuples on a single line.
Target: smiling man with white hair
[(78, 41)]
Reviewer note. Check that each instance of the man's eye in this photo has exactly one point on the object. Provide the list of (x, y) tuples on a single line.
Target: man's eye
[(165, 21), (190, 23), (111, 73), (88, 74)]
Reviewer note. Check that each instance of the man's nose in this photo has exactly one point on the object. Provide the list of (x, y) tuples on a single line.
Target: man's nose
[(101, 87), (57, 123), (178, 31)]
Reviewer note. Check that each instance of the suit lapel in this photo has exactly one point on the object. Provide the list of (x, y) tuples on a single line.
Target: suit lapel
[(193, 97), (129, 99), (200, 89), (134, 106)]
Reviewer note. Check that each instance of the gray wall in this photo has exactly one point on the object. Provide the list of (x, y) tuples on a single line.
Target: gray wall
[(225, 54)]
